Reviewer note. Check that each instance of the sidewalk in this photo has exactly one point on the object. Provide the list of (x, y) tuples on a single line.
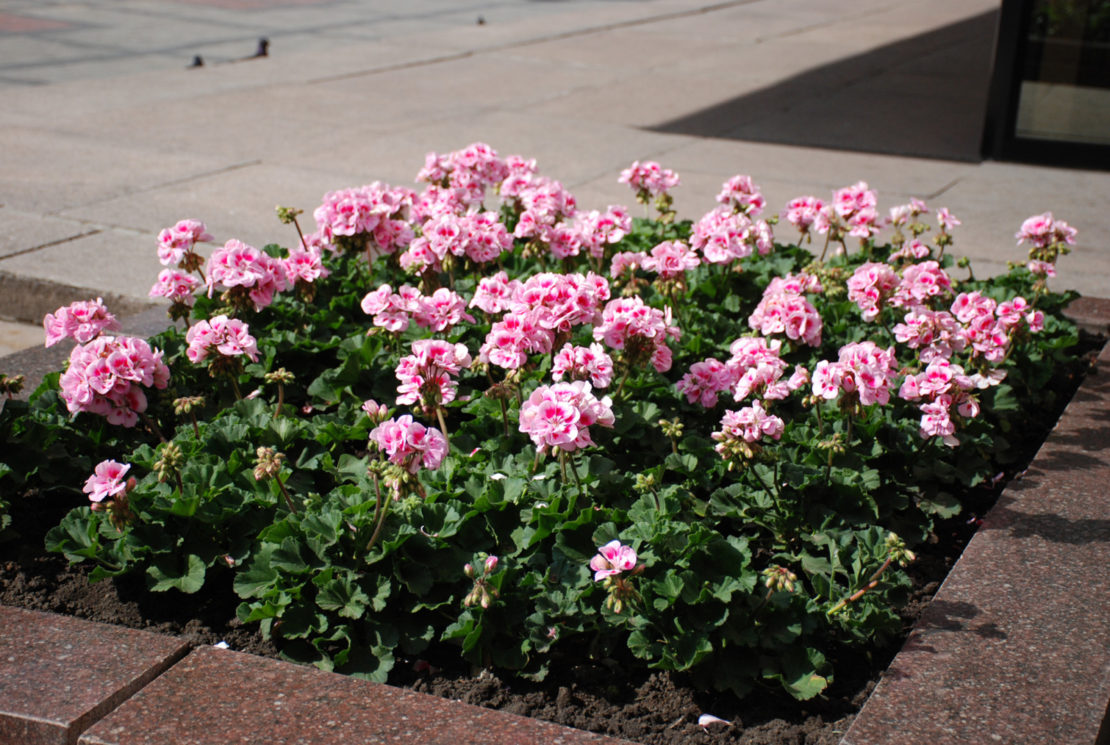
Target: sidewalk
[(107, 135)]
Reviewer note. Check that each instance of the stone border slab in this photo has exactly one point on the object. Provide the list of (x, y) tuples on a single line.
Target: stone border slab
[(59, 674), (216, 696)]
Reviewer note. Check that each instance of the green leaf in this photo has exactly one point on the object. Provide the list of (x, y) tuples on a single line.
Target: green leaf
[(170, 573), (344, 596)]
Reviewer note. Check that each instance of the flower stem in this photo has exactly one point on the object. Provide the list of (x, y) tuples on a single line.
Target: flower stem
[(285, 493), (380, 511), (872, 583), (443, 426)]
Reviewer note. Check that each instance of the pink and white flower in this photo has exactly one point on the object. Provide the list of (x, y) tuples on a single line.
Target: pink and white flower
[(410, 444), (175, 242), (612, 559), (740, 194), (221, 335), (649, 179), (590, 363), (176, 286), (560, 415), (107, 480), (81, 321)]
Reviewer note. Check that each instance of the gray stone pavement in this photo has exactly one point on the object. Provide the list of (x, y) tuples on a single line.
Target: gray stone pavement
[(107, 135)]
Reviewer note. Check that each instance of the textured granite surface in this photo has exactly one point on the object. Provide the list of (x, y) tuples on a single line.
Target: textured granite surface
[(219, 697), (60, 674), (1015, 647)]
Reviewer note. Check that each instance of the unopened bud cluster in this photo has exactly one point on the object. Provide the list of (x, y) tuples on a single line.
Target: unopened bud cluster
[(779, 578), (187, 404), (899, 554), (281, 375), (169, 462), (11, 385), (483, 593), (268, 464)]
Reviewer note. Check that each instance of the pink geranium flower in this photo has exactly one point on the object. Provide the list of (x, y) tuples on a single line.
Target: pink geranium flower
[(81, 321), (174, 243), (649, 179), (583, 363), (410, 444), (229, 337), (107, 480), (612, 559), (176, 286), (740, 194), (560, 415)]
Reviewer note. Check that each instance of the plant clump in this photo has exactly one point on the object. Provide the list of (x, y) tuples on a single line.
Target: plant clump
[(682, 445)]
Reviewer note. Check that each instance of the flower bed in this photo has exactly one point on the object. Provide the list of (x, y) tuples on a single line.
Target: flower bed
[(533, 435)]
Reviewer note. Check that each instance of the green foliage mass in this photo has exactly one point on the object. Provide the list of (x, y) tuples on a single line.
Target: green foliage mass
[(353, 578)]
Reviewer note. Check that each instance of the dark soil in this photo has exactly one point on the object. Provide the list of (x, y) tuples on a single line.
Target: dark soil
[(653, 709)]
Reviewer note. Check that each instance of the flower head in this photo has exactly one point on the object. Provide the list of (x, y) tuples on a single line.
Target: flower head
[(612, 559)]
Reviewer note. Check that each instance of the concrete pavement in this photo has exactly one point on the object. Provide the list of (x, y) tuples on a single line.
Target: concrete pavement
[(107, 135)]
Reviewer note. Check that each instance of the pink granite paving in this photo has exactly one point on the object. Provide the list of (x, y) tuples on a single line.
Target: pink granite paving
[(10, 23), (60, 674), (219, 697), (1015, 647)]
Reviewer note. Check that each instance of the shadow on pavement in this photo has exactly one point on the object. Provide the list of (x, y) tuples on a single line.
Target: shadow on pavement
[(925, 96)]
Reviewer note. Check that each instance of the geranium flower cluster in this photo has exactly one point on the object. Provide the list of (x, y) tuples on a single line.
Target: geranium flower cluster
[(373, 218), (220, 335), (590, 363), (81, 321), (535, 311), (409, 444), (784, 309), (177, 287), (560, 415), (853, 211), (639, 330), (479, 237), (864, 371), (740, 194), (945, 389), (724, 236), (428, 375), (246, 274), (176, 244), (649, 180), (106, 377), (394, 311), (755, 367), (750, 424)]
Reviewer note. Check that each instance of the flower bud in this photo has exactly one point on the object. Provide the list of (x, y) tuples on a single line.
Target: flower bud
[(468, 570), (491, 564)]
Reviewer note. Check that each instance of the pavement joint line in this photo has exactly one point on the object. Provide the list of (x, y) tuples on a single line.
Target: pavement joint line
[(536, 40), (48, 244), (152, 188)]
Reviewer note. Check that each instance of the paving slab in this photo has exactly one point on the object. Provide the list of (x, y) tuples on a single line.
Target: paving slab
[(216, 697), (59, 674), (23, 231)]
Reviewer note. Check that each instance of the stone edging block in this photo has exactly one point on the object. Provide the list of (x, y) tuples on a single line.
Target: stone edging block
[(59, 674), (216, 696)]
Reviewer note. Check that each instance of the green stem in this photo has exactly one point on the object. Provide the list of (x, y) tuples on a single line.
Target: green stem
[(380, 512), (285, 493), (443, 426)]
